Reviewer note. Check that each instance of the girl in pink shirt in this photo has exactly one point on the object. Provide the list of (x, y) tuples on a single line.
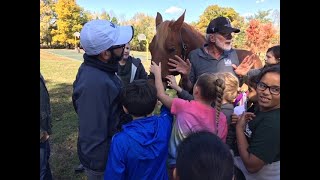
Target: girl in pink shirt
[(195, 115)]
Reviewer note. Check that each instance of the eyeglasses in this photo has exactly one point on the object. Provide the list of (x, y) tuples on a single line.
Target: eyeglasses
[(275, 90), (117, 46)]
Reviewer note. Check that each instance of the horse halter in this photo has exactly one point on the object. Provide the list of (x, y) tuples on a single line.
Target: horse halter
[(184, 48)]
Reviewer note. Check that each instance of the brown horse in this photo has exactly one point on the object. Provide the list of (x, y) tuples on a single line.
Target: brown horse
[(179, 38)]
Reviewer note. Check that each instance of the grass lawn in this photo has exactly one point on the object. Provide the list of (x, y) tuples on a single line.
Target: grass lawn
[(59, 71)]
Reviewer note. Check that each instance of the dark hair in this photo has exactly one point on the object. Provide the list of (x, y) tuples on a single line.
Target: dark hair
[(267, 69), (252, 81), (139, 97), (275, 51), (202, 155)]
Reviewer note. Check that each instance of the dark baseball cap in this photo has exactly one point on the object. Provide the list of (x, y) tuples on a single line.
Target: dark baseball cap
[(221, 24)]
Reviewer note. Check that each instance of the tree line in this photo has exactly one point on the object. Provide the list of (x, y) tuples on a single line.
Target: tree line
[(60, 19)]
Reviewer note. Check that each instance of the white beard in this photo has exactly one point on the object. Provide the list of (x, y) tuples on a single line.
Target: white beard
[(223, 46)]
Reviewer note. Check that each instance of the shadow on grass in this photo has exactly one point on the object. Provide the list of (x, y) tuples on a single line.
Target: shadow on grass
[(64, 132)]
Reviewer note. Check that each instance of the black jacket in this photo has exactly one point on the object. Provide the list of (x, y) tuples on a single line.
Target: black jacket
[(137, 69)]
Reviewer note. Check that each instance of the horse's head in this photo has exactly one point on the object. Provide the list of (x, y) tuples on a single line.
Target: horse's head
[(172, 38)]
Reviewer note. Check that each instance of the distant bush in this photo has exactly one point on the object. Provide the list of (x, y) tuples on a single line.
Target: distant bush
[(53, 46)]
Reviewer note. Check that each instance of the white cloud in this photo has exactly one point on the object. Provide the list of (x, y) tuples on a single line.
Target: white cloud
[(247, 14), (174, 10), (259, 1)]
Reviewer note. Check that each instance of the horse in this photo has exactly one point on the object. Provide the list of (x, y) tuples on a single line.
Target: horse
[(179, 38)]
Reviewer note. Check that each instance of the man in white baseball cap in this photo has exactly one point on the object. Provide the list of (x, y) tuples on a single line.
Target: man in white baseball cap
[(96, 92)]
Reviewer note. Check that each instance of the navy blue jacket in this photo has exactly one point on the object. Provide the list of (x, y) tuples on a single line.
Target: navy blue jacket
[(96, 100)]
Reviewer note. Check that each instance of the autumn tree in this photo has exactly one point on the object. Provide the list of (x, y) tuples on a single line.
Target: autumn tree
[(104, 15), (239, 39), (142, 24), (215, 11), (259, 36), (46, 21), (70, 19)]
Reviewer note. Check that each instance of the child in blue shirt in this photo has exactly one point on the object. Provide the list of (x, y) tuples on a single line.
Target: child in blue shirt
[(140, 150)]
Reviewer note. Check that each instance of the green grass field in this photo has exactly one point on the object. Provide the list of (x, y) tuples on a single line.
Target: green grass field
[(59, 68)]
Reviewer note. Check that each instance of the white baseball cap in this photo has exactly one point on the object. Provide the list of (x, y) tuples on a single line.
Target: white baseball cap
[(99, 35)]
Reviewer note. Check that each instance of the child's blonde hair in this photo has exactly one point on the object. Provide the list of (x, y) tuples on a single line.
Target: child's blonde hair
[(231, 86)]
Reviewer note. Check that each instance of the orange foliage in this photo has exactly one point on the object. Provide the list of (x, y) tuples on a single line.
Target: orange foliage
[(259, 36)]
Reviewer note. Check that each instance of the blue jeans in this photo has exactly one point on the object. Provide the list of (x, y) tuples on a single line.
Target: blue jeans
[(45, 172)]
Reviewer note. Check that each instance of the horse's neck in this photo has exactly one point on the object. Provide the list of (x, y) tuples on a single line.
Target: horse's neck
[(196, 39)]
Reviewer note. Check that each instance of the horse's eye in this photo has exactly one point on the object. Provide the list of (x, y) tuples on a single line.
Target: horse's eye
[(173, 49)]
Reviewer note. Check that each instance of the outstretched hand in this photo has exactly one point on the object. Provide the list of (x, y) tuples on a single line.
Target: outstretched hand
[(172, 82), (181, 66), (245, 65), (155, 69)]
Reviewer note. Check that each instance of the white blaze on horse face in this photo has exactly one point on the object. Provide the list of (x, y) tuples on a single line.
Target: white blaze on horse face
[(222, 43)]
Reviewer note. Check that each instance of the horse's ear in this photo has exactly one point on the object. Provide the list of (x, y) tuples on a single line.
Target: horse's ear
[(178, 23), (158, 19)]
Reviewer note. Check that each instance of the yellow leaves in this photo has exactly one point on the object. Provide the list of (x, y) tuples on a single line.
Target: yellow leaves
[(68, 21)]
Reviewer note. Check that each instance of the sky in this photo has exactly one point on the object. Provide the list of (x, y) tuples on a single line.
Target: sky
[(172, 9)]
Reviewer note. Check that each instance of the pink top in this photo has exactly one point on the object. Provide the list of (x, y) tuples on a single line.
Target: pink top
[(192, 116)]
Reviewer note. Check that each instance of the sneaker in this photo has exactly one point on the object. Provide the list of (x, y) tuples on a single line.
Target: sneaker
[(79, 169)]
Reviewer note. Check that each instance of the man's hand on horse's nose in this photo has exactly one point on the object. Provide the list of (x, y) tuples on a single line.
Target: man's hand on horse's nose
[(181, 66)]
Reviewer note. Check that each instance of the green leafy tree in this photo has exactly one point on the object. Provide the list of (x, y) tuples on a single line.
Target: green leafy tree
[(262, 16), (70, 19), (114, 20)]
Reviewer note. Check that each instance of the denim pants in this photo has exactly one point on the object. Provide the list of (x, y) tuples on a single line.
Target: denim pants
[(45, 172)]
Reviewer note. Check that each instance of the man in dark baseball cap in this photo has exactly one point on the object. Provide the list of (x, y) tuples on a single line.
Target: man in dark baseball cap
[(222, 25), (216, 55)]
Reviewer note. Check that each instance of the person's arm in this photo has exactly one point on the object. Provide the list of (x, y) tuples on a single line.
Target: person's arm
[(162, 96), (115, 168), (183, 94), (184, 68), (252, 163)]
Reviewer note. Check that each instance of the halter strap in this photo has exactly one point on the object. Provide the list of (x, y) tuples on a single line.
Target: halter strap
[(184, 48)]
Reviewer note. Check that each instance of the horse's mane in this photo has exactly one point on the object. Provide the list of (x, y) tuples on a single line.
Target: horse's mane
[(164, 29), (192, 30)]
